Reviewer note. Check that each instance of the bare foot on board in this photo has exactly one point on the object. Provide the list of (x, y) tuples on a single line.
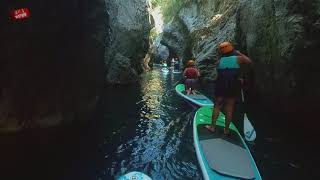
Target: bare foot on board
[(211, 128)]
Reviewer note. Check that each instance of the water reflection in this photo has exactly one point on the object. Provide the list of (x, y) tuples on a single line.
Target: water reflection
[(152, 89), (162, 142)]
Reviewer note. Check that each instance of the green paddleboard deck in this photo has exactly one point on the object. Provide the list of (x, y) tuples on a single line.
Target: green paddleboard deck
[(221, 156)]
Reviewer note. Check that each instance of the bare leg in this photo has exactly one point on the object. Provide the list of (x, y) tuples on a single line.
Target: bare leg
[(215, 113), (187, 88), (193, 83), (188, 91), (229, 106)]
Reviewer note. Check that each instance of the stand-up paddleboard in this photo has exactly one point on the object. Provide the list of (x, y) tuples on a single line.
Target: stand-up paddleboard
[(198, 99), (176, 72), (165, 70), (221, 156), (134, 176)]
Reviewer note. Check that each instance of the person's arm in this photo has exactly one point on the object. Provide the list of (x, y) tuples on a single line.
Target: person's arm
[(184, 72), (217, 62), (243, 59), (198, 73)]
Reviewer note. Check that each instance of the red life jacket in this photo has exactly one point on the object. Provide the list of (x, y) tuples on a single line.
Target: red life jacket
[(191, 73)]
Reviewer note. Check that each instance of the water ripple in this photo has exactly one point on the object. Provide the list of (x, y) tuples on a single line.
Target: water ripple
[(158, 146)]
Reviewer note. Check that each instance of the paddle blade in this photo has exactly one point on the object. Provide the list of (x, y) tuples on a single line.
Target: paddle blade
[(249, 132)]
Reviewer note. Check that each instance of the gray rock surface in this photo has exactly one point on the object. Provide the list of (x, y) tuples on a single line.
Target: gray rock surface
[(197, 29), (161, 52), (281, 37), (121, 70), (129, 36), (54, 64), (176, 37)]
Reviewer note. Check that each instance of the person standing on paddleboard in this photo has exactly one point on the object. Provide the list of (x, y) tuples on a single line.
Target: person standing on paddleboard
[(176, 64), (228, 84), (172, 64), (191, 75)]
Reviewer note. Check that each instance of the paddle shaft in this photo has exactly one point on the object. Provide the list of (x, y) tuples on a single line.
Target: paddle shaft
[(242, 97)]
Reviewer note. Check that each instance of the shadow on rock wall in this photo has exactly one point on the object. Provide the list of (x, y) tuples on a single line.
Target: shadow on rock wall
[(51, 65)]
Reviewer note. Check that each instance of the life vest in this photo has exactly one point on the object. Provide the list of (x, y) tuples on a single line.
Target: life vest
[(191, 73), (228, 72)]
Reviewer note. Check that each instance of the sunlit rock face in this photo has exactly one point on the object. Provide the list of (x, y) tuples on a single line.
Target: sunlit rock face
[(52, 64), (128, 38), (197, 29), (281, 37), (175, 37)]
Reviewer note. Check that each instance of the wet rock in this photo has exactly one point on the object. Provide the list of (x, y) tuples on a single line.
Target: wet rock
[(146, 62), (121, 70), (128, 38)]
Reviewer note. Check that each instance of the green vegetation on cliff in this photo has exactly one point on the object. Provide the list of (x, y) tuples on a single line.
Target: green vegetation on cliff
[(170, 8)]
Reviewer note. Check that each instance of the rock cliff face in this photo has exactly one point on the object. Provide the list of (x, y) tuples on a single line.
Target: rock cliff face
[(161, 52), (54, 64), (197, 29), (281, 37), (176, 37), (128, 42)]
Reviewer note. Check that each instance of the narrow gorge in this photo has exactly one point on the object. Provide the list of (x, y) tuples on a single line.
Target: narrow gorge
[(281, 37), (84, 94)]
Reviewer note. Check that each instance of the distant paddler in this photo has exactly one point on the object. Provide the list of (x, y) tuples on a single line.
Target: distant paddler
[(176, 64), (191, 75)]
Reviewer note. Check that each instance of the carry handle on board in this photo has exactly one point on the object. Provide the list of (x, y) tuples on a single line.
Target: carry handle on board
[(248, 130)]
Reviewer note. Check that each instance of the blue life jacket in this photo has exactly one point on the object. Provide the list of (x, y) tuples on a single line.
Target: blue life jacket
[(228, 72)]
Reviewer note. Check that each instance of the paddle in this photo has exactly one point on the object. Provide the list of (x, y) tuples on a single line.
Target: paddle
[(248, 129)]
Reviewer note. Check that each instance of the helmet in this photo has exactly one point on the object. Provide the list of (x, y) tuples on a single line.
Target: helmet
[(225, 47), (190, 63)]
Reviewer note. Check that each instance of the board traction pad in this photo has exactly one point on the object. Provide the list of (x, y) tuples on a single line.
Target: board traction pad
[(225, 154)]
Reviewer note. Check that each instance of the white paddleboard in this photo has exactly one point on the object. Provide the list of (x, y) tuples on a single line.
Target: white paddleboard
[(165, 70), (177, 72), (135, 175)]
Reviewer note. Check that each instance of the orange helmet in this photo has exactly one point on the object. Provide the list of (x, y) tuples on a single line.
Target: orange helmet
[(190, 63), (225, 47)]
